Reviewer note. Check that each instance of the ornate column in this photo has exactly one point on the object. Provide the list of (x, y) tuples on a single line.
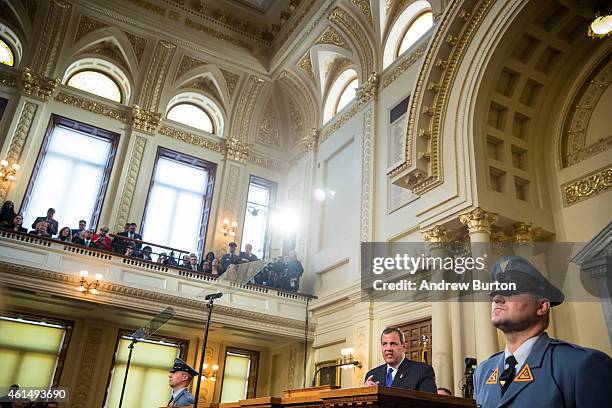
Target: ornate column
[(523, 235), (305, 242), (442, 338), (479, 223)]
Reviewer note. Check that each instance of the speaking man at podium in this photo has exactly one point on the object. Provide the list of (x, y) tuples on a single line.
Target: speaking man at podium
[(398, 371)]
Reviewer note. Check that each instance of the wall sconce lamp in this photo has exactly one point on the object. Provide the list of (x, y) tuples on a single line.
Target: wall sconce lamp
[(8, 173), (85, 286), (229, 229), (348, 359), (601, 24), (210, 373)]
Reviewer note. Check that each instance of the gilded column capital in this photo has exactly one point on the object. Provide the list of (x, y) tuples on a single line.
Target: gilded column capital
[(369, 90), (145, 120), (525, 233), (438, 235), (478, 220), (310, 142), (236, 150), (38, 86)]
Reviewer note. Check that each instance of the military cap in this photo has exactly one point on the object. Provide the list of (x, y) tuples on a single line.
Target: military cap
[(518, 270), (180, 365), (233, 244)]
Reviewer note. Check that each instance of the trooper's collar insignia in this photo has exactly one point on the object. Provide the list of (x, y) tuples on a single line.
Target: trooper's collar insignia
[(524, 375), (493, 377)]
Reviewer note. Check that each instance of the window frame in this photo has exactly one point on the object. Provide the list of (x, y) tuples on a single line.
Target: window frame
[(122, 99), (344, 88), (253, 355), (89, 130), (402, 36), (183, 346), (273, 188), (184, 158), (11, 50), (68, 326), (212, 122)]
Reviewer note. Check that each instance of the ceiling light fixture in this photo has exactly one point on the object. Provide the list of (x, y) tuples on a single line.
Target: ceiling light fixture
[(601, 25)]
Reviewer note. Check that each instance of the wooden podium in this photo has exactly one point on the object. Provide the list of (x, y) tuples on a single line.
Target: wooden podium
[(329, 396)]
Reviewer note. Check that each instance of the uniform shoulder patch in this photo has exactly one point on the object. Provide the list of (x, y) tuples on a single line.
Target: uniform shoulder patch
[(493, 377), (524, 375)]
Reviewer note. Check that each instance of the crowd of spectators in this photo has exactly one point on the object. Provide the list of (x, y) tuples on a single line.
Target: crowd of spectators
[(282, 273)]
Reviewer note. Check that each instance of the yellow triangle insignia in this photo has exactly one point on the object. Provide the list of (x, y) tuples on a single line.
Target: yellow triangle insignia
[(493, 377), (524, 375)]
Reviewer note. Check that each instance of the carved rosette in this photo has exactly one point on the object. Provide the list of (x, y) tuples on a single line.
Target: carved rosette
[(236, 150), (145, 120), (369, 90), (38, 86), (525, 233), (478, 220)]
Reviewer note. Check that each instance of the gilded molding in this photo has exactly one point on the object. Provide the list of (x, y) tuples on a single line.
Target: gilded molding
[(87, 367), (243, 116), (406, 62), (86, 26), (367, 176), (354, 31), (54, 32), (437, 235), (297, 123), (236, 150), (37, 86), (369, 90), (306, 65), (290, 28), (268, 128), (332, 37), (93, 106), (191, 138), (187, 64), (440, 62), (478, 220), (156, 75), (18, 141), (231, 80), (364, 6), (231, 195), (525, 233), (139, 45), (589, 151), (130, 182), (587, 186), (310, 143), (143, 120)]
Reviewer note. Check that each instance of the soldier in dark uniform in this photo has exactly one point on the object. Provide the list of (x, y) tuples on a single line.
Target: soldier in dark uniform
[(231, 258), (535, 370), (181, 375)]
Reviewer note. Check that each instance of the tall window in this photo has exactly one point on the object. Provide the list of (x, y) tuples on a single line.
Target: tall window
[(191, 115), (239, 374), (260, 201), (7, 57), (412, 23), (32, 351), (178, 204), (341, 93), (71, 173), (147, 383), (417, 28), (96, 83), (99, 77), (196, 110)]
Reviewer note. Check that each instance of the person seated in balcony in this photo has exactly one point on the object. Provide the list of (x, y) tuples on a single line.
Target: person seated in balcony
[(102, 240), (162, 258), (18, 224), (193, 263), (130, 251), (52, 225), (119, 245), (207, 264), (215, 267), (78, 233), (248, 255), (65, 235), (86, 240), (229, 258), (294, 271), (185, 261), (146, 252), (7, 214), (41, 230)]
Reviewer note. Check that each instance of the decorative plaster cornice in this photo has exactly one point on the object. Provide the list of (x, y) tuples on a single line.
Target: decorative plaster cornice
[(96, 107), (38, 86), (144, 120), (236, 150), (478, 220), (405, 63), (587, 186)]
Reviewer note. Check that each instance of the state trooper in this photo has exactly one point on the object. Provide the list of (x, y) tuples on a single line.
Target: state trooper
[(535, 370), (181, 375)]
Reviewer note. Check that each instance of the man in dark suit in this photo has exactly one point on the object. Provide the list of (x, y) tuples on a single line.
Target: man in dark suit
[(248, 255), (76, 233), (121, 244), (535, 370), (51, 223), (398, 371), (193, 263), (181, 375), (87, 240)]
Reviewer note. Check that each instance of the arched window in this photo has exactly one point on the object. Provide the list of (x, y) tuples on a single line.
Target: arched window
[(99, 77), (7, 57), (10, 47), (411, 24), (341, 93), (196, 110)]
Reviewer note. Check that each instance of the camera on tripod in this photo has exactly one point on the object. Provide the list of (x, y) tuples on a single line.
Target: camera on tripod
[(468, 377)]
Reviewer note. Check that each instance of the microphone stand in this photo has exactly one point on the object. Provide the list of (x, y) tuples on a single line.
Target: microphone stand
[(127, 368), (209, 306)]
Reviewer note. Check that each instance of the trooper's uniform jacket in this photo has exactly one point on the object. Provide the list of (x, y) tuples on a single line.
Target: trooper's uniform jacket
[(556, 374)]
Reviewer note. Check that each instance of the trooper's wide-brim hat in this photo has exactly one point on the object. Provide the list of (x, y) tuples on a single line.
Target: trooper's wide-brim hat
[(180, 365), (526, 277)]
